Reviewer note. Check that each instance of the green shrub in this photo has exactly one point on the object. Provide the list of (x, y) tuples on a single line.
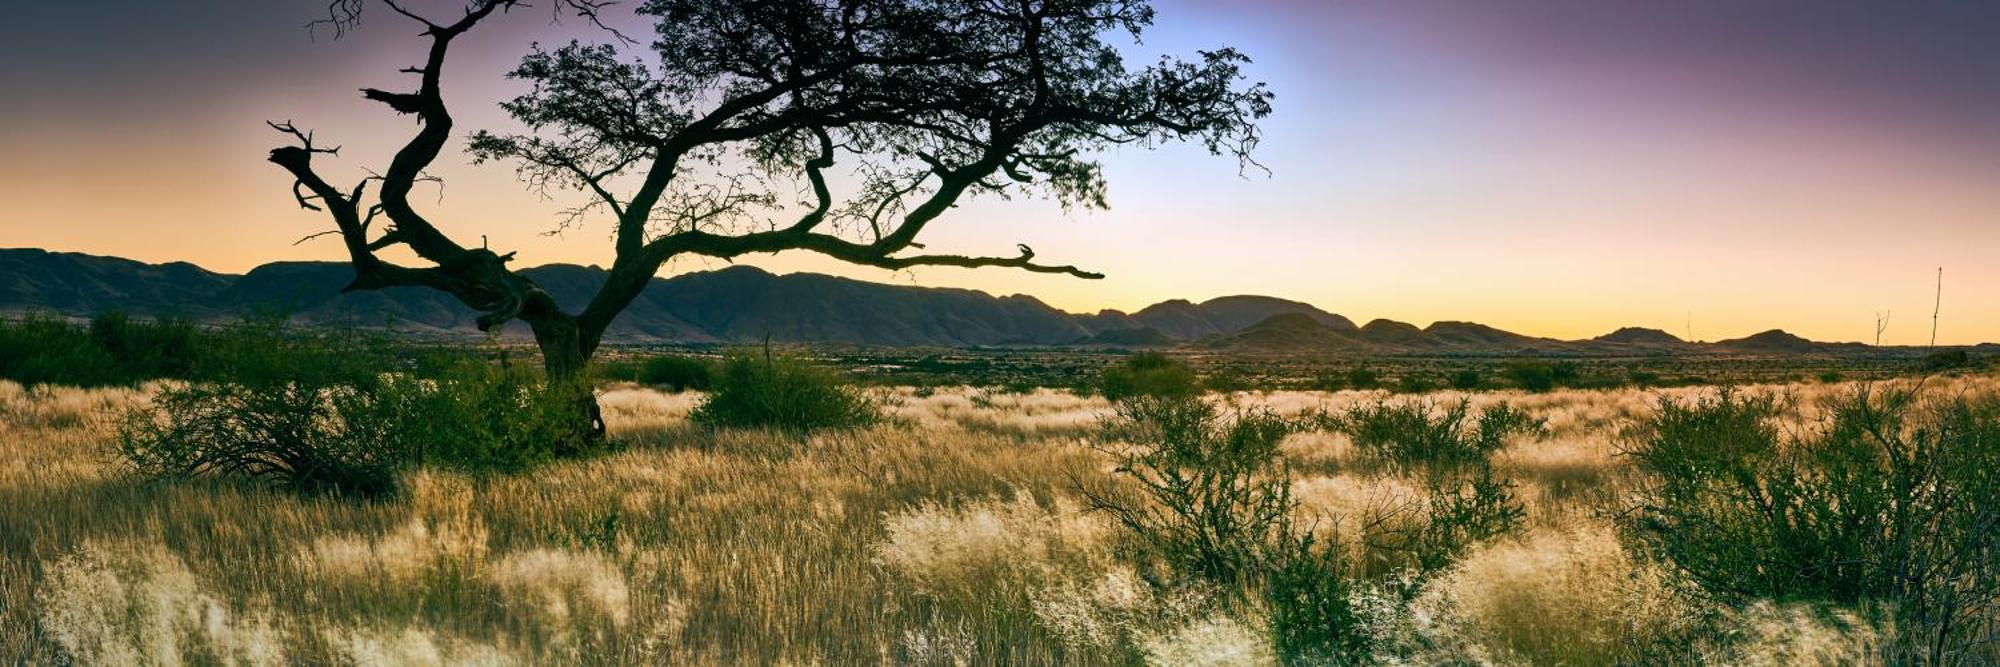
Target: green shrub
[(1217, 509), (478, 417), (331, 423), (1888, 500), (306, 436), (1417, 434), (1466, 380), (112, 350), (1831, 377), (767, 391), (1363, 377), (1945, 360), (1413, 384), (1220, 496), (677, 373), (1531, 376), (1148, 374)]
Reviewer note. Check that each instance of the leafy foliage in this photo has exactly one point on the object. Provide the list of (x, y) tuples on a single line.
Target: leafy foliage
[(1148, 374), (1418, 434), (771, 391), (320, 421), (677, 373), (1218, 509), (112, 350), (1889, 499)]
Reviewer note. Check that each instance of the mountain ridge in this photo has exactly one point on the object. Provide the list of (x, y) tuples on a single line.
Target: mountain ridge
[(744, 304)]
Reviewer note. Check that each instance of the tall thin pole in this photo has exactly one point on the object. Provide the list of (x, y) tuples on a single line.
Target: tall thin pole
[(1937, 306)]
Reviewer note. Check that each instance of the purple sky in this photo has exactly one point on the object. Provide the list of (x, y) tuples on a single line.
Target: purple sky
[(1553, 167)]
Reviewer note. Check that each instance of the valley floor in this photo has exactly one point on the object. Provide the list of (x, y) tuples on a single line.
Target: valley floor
[(954, 535)]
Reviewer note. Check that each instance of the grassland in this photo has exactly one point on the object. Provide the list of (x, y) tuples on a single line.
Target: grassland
[(952, 534)]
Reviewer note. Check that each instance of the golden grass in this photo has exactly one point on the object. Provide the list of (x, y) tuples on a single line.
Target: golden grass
[(952, 535)]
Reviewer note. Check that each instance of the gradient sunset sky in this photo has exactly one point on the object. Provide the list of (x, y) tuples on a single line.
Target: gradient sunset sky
[(1553, 167)]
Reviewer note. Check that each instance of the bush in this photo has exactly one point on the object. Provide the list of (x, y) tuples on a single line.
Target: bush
[(1466, 380), (1413, 384), (112, 350), (1417, 434), (1362, 377), (1148, 374), (1888, 500), (1218, 509), (1221, 498), (478, 417), (780, 392), (309, 436), (677, 373), (331, 425), (1532, 376), (1945, 360)]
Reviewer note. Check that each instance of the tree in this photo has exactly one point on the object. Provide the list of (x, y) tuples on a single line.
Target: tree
[(880, 114)]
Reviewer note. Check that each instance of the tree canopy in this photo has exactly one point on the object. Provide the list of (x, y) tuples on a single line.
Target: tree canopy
[(842, 127)]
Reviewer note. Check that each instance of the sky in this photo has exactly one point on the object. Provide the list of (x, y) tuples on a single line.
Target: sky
[(1561, 168)]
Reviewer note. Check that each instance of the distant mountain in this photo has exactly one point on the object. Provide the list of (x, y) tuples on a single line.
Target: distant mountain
[(76, 283), (1186, 320), (1640, 336), (746, 305), (1287, 332), (1780, 342)]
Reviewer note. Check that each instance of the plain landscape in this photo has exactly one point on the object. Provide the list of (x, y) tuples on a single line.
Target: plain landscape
[(999, 332)]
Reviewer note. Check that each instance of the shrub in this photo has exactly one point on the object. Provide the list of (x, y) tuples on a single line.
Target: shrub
[(1148, 374), (478, 417), (307, 436), (1531, 376), (677, 373), (331, 425), (1466, 380), (1417, 434), (784, 393), (1887, 500), (1218, 509), (1363, 377), (113, 349), (1945, 360), (1412, 384), (1220, 495)]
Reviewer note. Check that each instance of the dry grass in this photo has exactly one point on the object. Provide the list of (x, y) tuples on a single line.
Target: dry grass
[(953, 535)]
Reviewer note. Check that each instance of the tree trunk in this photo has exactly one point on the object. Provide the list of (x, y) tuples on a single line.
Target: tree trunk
[(566, 358)]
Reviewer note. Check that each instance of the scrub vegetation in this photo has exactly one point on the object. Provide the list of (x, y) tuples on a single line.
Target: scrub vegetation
[(1805, 523)]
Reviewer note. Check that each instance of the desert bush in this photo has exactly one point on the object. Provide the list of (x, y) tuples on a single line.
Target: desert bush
[(474, 417), (1219, 509), (1148, 374), (1413, 384), (677, 373), (1418, 434), (112, 349), (332, 425), (1466, 380), (1220, 496), (302, 435), (1888, 500), (774, 391), (1944, 360), (1363, 377), (1531, 376)]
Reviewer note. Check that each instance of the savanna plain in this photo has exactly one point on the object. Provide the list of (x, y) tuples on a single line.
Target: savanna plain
[(971, 525)]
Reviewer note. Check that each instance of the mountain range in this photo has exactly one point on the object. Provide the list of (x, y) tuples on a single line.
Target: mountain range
[(743, 304)]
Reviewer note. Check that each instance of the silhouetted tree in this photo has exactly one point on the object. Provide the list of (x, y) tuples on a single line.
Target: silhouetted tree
[(880, 114)]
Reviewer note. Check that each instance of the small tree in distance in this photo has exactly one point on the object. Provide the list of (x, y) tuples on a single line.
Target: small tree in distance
[(885, 113)]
